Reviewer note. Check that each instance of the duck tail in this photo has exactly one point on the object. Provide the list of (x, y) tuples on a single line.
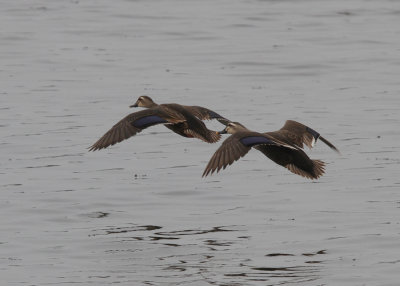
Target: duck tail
[(317, 170), (213, 136)]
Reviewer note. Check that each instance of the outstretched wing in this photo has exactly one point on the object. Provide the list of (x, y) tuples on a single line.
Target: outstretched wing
[(230, 151), (203, 113), (130, 126), (299, 134)]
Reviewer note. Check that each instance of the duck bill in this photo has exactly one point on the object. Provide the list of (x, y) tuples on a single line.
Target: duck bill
[(134, 105), (222, 131)]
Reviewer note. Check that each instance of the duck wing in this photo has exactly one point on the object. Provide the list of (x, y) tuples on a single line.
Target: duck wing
[(299, 134), (237, 146), (203, 113), (131, 125), (230, 151)]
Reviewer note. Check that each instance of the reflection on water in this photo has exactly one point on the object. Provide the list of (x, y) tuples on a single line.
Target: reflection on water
[(118, 230), (198, 258)]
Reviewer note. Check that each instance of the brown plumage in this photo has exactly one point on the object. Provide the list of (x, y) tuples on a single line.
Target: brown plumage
[(282, 146), (183, 120)]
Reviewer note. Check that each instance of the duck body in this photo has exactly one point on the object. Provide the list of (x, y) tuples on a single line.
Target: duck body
[(284, 147), (183, 120), (191, 126)]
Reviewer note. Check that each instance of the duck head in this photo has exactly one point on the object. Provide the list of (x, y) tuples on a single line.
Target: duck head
[(144, 101), (232, 128)]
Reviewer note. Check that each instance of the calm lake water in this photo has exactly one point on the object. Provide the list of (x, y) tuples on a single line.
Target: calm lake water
[(139, 213)]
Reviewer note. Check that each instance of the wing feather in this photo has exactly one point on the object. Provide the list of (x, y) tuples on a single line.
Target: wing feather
[(130, 126), (298, 134), (231, 150)]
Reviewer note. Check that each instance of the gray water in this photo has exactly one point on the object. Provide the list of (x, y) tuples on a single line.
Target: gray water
[(139, 213)]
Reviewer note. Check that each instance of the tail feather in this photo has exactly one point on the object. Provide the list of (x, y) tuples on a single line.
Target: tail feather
[(209, 137), (213, 136), (318, 169)]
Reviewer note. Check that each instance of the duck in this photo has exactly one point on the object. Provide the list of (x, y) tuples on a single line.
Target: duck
[(181, 119), (283, 146)]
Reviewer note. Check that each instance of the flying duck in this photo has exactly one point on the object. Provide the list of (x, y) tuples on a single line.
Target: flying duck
[(284, 147), (183, 120)]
